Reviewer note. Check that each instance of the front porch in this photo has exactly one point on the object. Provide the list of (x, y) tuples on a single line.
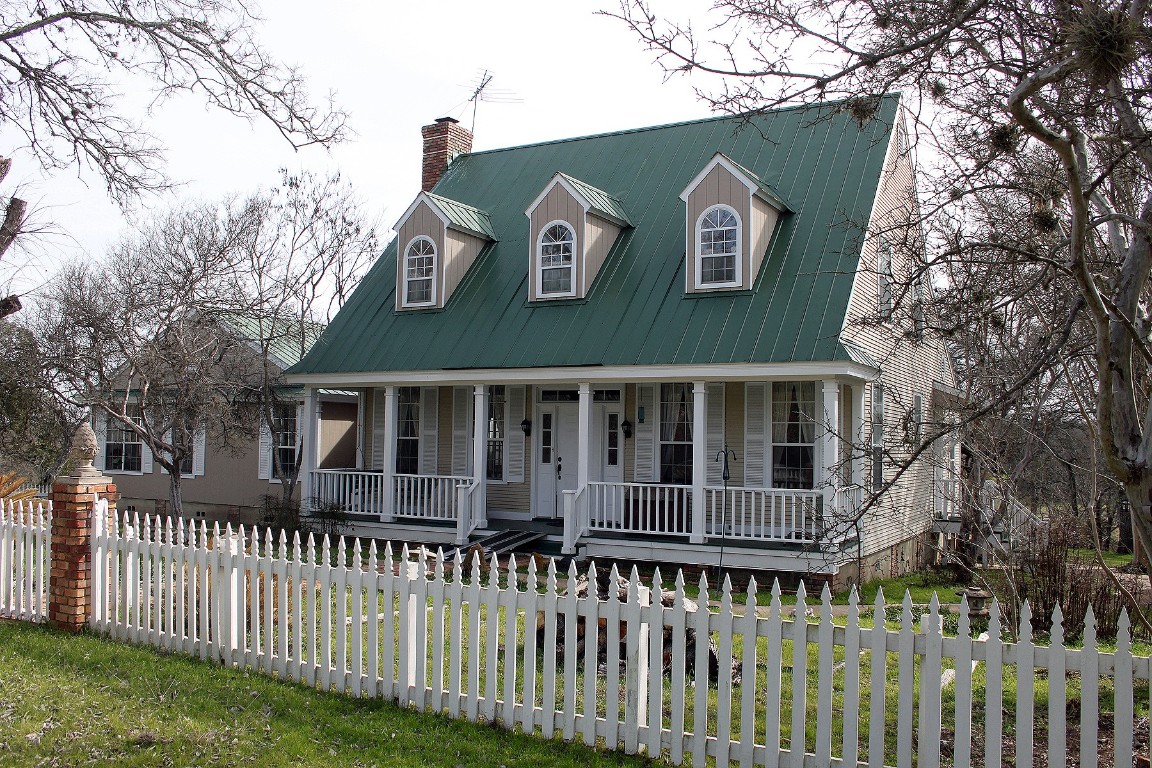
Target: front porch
[(678, 467)]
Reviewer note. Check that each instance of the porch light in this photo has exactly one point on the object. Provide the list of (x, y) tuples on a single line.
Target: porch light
[(526, 427), (626, 426)]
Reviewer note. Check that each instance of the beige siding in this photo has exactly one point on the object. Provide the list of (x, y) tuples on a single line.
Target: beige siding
[(557, 205), (511, 497), (909, 366), (764, 218), (719, 187), (423, 221), (229, 479), (338, 435), (460, 251), (601, 235)]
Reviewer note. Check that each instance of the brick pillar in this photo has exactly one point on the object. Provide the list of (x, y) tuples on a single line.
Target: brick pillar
[(69, 595)]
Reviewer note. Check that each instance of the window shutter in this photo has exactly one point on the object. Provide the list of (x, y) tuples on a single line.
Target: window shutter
[(461, 430), (199, 448), (379, 415), (513, 436), (145, 459), (429, 427), (646, 433), (100, 427), (264, 465), (755, 435), (714, 417)]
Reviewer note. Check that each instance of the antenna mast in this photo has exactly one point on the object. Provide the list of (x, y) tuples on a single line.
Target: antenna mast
[(477, 95)]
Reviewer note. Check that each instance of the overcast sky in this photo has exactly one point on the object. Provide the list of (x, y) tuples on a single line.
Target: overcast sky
[(394, 67)]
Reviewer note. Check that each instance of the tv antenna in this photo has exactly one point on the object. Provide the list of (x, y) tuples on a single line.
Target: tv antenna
[(482, 92)]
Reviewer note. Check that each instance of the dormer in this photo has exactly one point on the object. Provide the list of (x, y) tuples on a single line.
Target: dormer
[(730, 215), (436, 242), (572, 226)]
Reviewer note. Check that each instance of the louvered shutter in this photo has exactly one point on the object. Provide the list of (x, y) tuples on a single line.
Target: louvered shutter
[(145, 459), (513, 436), (199, 448), (100, 427), (461, 430), (714, 416), (429, 427), (646, 433), (379, 415), (755, 434), (264, 462)]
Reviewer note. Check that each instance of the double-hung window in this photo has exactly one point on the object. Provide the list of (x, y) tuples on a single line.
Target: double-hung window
[(284, 442), (793, 434), (718, 248), (877, 437), (496, 432), (885, 280), (123, 449), (408, 430), (676, 434), (556, 262), (420, 273)]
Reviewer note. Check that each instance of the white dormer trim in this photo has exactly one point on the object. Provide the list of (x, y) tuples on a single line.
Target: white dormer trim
[(720, 159), (562, 179), (421, 198)]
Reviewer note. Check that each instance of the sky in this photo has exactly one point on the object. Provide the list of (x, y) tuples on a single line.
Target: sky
[(559, 70)]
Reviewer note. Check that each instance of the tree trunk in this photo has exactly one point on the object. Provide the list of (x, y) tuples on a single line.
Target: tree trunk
[(1140, 512), (174, 492)]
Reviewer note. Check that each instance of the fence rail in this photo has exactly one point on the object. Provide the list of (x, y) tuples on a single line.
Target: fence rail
[(25, 528), (642, 671)]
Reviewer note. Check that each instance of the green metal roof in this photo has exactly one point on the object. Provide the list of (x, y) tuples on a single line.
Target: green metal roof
[(637, 312), (602, 203), (765, 189), (465, 217), (288, 339)]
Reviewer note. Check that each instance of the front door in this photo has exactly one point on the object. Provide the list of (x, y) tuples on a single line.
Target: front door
[(556, 457)]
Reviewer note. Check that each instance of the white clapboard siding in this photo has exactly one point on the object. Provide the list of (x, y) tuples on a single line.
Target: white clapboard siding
[(429, 429), (379, 427), (645, 433), (471, 639), (714, 442), (461, 430), (755, 434)]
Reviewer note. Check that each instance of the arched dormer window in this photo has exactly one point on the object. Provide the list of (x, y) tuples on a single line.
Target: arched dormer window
[(718, 247), (420, 273), (556, 263)]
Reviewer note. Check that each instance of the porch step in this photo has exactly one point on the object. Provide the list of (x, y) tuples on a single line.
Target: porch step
[(500, 542)]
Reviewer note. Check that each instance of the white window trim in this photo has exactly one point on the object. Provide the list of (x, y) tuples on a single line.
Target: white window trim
[(108, 426), (537, 260), (738, 282), (885, 280), (435, 273)]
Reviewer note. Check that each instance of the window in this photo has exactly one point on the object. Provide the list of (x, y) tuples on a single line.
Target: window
[(793, 434), (877, 437), (676, 434), (917, 420), (919, 323), (419, 273), (718, 247), (496, 432), (408, 430), (884, 280), (284, 442), (613, 441), (557, 265), (123, 450)]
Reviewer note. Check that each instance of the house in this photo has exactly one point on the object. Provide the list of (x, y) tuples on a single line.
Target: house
[(229, 483), (695, 343)]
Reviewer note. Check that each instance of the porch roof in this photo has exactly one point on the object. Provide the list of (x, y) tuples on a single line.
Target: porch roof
[(637, 312)]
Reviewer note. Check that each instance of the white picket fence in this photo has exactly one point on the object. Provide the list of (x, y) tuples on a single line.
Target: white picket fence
[(488, 644), (25, 528)]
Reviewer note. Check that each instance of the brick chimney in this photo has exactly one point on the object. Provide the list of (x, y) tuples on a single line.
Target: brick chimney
[(443, 140)]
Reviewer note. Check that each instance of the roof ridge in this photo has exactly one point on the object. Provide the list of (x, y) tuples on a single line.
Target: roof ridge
[(675, 124)]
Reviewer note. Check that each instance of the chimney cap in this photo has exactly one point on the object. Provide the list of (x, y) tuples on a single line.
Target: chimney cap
[(447, 120)]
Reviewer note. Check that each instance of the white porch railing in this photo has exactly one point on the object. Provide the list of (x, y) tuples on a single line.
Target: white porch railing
[(468, 510), (639, 508), (764, 514), (353, 490), (428, 497)]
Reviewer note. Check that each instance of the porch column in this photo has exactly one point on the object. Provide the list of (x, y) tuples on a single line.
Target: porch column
[(361, 399), (699, 460), (480, 455), (830, 448), (584, 430), (310, 442), (388, 459)]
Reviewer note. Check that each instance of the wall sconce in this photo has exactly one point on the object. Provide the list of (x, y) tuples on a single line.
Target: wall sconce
[(640, 414), (626, 426), (526, 427)]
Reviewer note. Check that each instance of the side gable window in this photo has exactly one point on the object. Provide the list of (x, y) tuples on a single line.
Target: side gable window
[(877, 436), (419, 273), (718, 247), (555, 263), (884, 279)]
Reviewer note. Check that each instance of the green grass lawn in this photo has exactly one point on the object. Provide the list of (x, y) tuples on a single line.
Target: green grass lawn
[(1113, 559), (82, 700)]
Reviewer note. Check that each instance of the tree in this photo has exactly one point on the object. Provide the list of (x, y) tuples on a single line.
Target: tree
[(1034, 120), (62, 62)]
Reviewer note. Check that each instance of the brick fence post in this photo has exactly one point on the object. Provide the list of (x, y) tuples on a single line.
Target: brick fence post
[(69, 595)]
